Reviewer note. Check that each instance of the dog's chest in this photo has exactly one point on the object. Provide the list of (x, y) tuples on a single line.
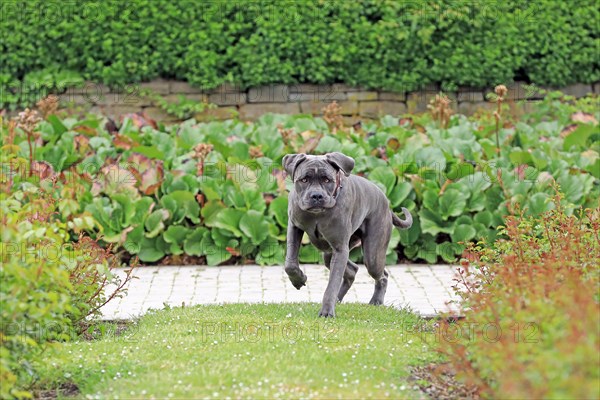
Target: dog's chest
[(315, 234)]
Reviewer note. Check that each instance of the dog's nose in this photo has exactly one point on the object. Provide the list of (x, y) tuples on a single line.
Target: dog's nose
[(316, 197)]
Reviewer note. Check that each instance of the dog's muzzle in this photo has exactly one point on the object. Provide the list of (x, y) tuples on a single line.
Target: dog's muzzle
[(316, 199)]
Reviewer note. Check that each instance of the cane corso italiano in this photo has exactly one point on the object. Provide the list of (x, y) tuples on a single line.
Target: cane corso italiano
[(338, 211)]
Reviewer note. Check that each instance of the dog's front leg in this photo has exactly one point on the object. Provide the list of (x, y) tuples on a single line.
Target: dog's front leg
[(339, 259), (292, 266)]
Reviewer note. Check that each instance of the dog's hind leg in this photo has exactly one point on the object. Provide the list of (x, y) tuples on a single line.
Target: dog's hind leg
[(380, 289), (349, 275), (374, 249)]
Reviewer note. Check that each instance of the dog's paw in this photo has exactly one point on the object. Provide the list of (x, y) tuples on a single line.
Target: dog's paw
[(297, 277), (298, 280), (376, 302), (327, 312)]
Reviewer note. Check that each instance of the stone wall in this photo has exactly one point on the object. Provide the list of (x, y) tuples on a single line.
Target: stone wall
[(249, 104)]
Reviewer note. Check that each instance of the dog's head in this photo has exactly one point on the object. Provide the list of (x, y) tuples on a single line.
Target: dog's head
[(317, 179)]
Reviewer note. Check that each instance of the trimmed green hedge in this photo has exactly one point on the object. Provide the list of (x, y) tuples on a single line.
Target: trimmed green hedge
[(384, 44)]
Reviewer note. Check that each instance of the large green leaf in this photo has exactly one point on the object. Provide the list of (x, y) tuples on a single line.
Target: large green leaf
[(489, 148), (481, 231), (134, 239), (427, 251), (254, 226), (271, 252), (538, 204), (142, 209), (493, 199), (239, 150), (463, 233), (57, 125), (477, 182), (385, 176), (214, 253), (431, 157), (181, 202), (56, 156), (393, 243), (175, 236), (391, 258), (254, 200), (151, 250), (190, 135), (233, 196), (463, 219), (399, 194), (460, 170), (411, 235), (452, 203), (578, 138), (155, 223), (519, 157), (229, 220), (431, 200), (128, 207), (177, 213), (279, 208), (476, 201), (328, 144), (574, 186), (484, 217), (594, 168), (222, 237), (210, 211), (433, 223), (448, 251), (305, 124), (150, 152), (193, 242), (309, 254)]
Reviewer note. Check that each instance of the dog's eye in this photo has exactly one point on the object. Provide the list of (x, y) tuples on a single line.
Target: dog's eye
[(326, 180), (304, 180)]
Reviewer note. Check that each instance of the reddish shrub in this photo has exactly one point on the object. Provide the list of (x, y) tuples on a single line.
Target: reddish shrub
[(531, 306)]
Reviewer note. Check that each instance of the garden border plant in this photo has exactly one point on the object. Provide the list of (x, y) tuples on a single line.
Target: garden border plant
[(531, 308), (216, 191), (53, 285), (54, 277)]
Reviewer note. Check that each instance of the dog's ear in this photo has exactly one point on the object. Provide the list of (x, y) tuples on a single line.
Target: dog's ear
[(291, 161), (341, 162)]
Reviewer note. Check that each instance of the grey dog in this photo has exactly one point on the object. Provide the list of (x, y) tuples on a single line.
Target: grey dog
[(338, 211)]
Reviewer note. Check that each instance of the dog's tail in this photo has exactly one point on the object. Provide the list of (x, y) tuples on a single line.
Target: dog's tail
[(407, 223)]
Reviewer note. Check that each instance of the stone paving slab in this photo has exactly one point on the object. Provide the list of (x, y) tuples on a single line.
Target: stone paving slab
[(426, 289)]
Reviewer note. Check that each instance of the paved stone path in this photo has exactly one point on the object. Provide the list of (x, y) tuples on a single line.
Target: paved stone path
[(426, 289)]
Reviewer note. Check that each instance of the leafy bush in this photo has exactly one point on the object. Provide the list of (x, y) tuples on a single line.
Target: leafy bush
[(217, 191), (532, 309), (379, 44), (52, 283), (183, 108), (35, 291)]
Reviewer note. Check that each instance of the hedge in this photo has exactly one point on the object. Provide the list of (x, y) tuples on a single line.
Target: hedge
[(385, 44)]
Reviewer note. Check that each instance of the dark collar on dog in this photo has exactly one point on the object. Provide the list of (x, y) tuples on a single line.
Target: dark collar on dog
[(338, 184)]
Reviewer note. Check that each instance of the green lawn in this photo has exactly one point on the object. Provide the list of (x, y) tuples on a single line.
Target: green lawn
[(249, 351)]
